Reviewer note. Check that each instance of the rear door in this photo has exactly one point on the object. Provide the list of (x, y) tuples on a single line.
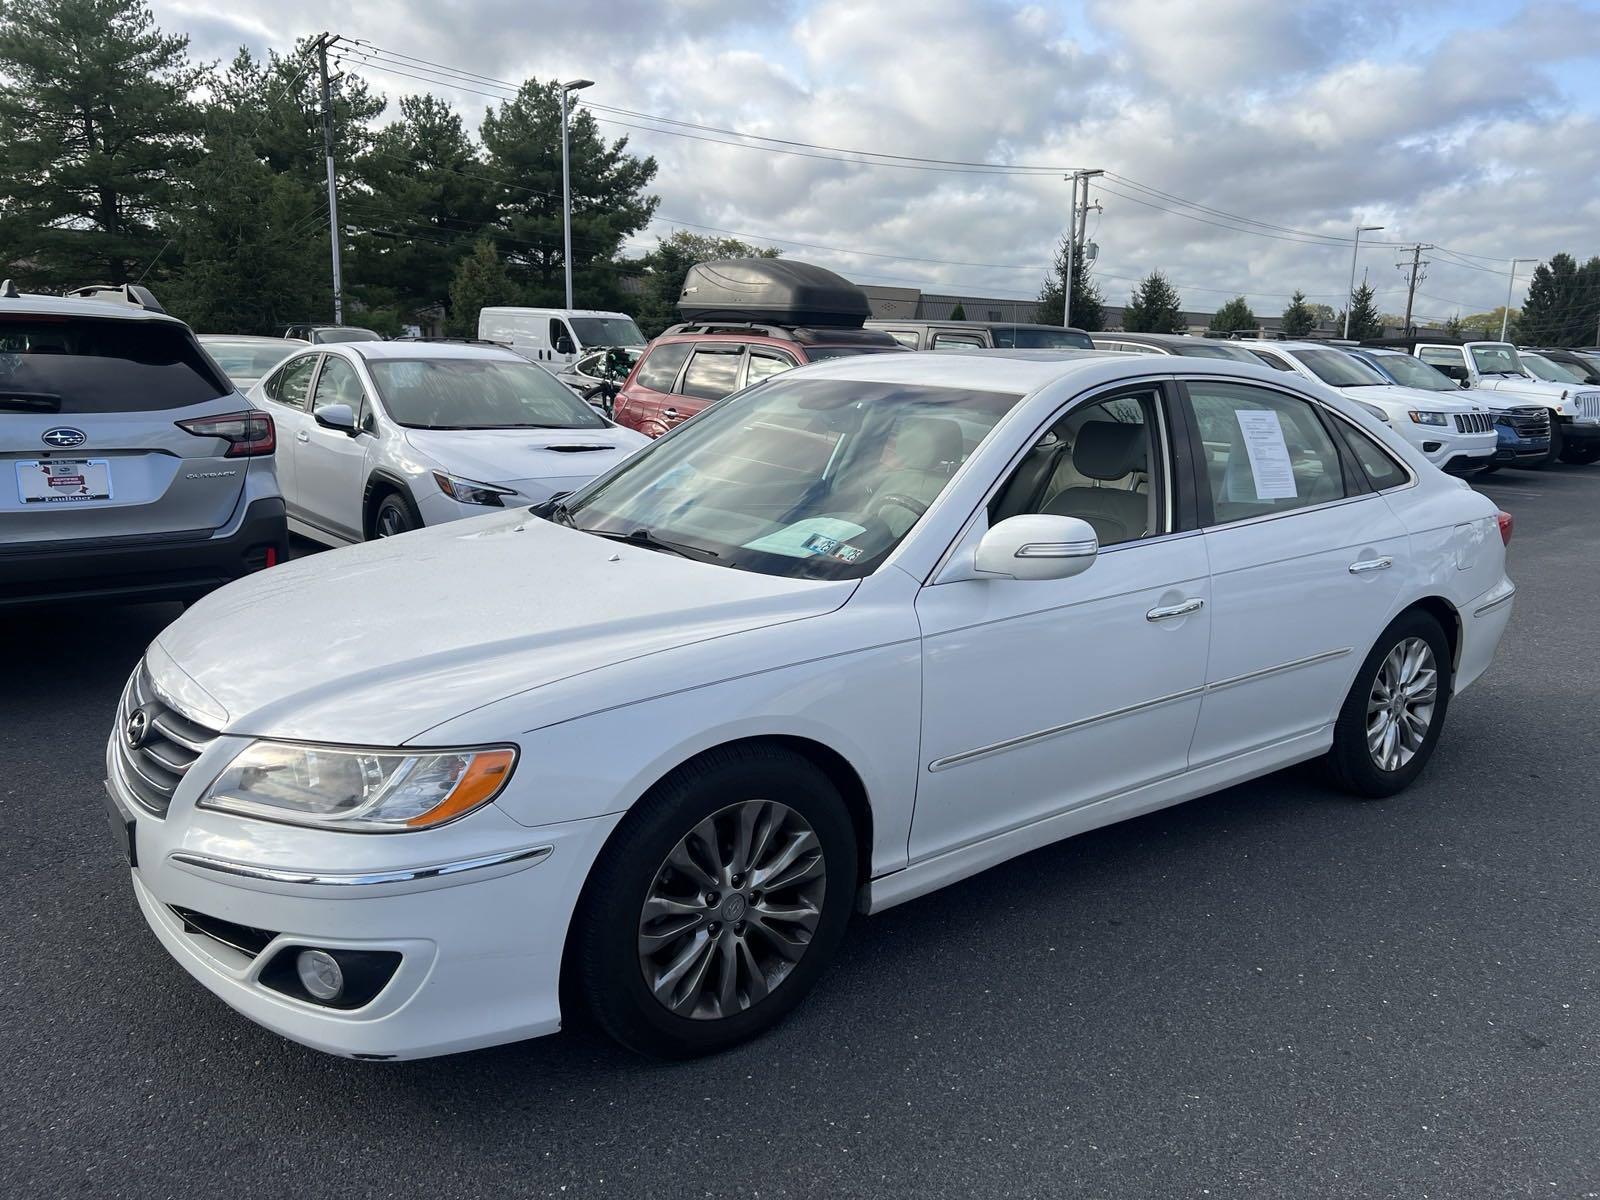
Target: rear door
[(330, 465), (90, 445), (649, 389), (285, 397)]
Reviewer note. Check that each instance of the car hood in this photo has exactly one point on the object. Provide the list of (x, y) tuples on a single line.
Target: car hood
[(379, 642), (543, 459), (1400, 397)]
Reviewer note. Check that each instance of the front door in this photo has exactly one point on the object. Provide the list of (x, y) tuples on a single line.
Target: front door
[(1044, 696), (331, 469), (1305, 565)]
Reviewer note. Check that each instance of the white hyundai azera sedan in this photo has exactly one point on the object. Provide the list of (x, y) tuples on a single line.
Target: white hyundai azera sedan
[(848, 636)]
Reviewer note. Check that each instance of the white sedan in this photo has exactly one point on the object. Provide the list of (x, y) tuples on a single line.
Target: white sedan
[(851, 635), (380, 438)]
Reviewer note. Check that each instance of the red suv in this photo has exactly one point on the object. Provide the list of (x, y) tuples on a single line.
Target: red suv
[(695, 364)]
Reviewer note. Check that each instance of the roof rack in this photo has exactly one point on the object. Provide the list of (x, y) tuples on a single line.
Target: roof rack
[(119, 293)]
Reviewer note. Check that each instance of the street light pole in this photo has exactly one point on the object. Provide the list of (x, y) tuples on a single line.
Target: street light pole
[(1505, 313), (1350, 296), (575, 85)]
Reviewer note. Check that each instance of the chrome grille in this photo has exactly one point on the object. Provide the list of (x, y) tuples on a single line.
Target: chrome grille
[(150, 773), (1474, 422), (1588, 405), (1529, 421)]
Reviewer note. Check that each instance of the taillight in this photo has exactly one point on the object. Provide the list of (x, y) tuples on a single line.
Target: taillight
[(1505, 523), (247, 433)]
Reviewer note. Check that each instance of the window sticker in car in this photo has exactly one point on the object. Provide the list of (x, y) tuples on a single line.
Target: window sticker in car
[(1270, 466), (812, 537)]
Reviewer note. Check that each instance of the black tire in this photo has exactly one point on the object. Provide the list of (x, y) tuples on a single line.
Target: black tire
[(605, 971), (1557, 443), (1350, 762), (1580, 456), (395, 515)]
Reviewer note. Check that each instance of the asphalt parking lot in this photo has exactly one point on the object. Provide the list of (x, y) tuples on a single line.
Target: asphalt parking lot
[(1273, 991)]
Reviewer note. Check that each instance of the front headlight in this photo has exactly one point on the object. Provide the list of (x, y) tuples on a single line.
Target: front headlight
[(1429, 418), (362, 790), (469, 491)]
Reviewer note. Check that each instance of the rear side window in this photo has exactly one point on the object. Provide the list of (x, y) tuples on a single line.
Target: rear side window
[(1272, 360), (659, 370), (947, 341), (288, 386), (81, 365), (1378, 464), (712, 374)]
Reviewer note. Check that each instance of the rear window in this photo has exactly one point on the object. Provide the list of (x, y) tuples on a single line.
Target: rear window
[(1012, 337), (83, 365), (659, 371)]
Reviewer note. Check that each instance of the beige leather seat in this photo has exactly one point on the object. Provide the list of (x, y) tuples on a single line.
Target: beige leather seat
[(1107, 451)]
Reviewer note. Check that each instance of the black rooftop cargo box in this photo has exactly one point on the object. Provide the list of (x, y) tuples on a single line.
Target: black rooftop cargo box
[(778, 291)]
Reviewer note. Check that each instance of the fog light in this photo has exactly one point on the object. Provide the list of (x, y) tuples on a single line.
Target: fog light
[(319, 974)]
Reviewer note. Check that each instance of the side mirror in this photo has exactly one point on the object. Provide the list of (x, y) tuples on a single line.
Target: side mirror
[(564, 345), (1466, 384), (1037, 546), (336, 416)]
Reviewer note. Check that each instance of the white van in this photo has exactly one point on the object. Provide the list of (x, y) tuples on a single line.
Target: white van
[(556, 336)]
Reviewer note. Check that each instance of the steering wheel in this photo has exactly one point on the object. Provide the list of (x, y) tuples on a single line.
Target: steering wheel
[(910, 503)]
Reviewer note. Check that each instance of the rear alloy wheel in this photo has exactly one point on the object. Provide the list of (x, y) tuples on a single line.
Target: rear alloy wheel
[(716, 905), (395, 515), (1580, 456), (1393, 715)]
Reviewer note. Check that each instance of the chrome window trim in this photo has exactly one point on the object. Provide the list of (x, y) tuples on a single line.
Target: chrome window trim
[(529, 855), (1025, 739)]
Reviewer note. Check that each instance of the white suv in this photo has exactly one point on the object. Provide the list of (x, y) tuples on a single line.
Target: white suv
[(382, 437), (1453, 435)]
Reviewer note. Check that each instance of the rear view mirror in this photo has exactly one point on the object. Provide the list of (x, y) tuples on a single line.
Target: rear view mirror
[(1037, 546), (336, 416)]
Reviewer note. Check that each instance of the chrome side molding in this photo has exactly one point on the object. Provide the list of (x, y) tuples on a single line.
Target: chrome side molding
[(218, 866)]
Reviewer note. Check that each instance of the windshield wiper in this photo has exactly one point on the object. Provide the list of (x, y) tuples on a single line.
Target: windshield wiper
[(31, 401), (643, 537)]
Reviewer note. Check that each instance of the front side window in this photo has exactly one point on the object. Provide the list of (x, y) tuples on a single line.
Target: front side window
[(1264, 452), (1101, 463), (810, 478), (50, 364), (712, 374), (661, 365), (1498, 358), (477, 393), (290, 385), (339, 384)]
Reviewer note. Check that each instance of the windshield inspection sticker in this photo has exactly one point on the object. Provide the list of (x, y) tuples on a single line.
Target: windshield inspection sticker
[(1269, 454)]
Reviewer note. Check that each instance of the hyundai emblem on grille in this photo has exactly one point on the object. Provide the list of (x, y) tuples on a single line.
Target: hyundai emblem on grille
[(63, 435)]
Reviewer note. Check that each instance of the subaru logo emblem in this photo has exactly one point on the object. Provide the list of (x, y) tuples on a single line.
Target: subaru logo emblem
[(137, 728), (64, 436)]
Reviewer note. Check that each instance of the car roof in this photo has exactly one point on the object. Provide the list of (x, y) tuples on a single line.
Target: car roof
[(416, 350), (70, 306), (264, 339), (1270, 344)]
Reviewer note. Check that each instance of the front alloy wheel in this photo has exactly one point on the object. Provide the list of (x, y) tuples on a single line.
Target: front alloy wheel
[(732, 910)]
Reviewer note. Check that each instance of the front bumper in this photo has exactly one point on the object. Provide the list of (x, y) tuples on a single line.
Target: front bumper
[(160, 567), (1580, 433), (477, 912)]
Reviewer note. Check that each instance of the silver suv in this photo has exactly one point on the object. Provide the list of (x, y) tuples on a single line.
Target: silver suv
[(129, 464)]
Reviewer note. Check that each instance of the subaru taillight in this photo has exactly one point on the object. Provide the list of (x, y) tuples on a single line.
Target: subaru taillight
[(247, 433), (1504, 520)]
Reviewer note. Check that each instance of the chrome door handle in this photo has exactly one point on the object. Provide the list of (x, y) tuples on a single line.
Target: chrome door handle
[(302, 436), (1371, 564), (670, 414), (1175, 610)]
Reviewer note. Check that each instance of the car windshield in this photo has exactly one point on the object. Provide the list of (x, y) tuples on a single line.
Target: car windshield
[(348, 333), (1414, 373), (1543, 368), (607, 331), (1015, 337), (1338, 369), (248, 360), (55, 364), (1496, 359), (477, 393), (808, 478)]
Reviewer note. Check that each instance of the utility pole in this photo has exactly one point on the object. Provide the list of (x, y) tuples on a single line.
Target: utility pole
[(1076, 222), (1417, 274), (324, 42), (1505, 313)]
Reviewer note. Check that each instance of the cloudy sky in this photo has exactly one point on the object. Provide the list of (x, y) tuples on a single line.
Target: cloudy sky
[(1243, 138)]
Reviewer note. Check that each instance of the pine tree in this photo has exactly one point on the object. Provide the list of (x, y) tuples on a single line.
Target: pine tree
[(1364, 319), (1154, 307), (481, 281), (1454, 327), (1234, 317), (97, 126), (1088, 305), (1551, 293), (522, 143), (1298, 319), (959, 312)]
